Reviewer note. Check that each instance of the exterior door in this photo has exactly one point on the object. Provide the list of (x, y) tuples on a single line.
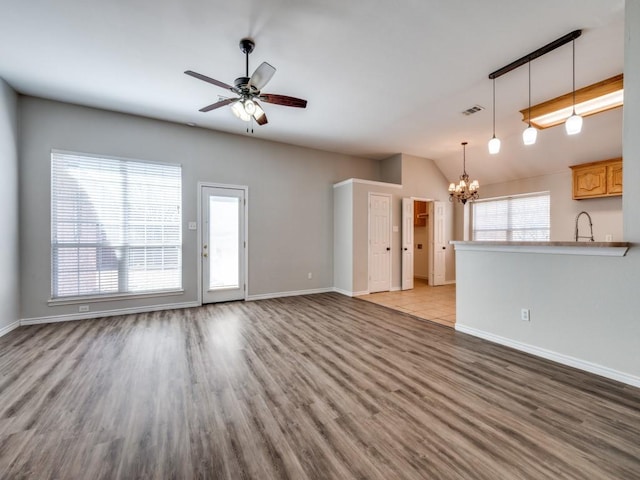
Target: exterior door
[(379, 243), (407, 243), (223, 243), (438, 246)]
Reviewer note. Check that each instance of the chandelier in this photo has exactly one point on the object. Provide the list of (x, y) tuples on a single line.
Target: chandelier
[(464, 190)]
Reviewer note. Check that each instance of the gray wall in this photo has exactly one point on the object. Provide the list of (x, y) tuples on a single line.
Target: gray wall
[(582, 308), (9, 245), (290, 196)]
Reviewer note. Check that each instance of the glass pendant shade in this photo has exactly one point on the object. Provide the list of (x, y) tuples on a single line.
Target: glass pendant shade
[(239, 111), (494, 145), (249, 106), (573, 124), (529, 135)]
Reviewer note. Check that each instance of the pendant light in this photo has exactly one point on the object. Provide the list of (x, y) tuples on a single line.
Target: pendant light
[(573, 124), (530, 133), (494, 143)]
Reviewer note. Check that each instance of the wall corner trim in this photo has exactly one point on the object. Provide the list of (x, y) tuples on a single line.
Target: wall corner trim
[(553, 356)]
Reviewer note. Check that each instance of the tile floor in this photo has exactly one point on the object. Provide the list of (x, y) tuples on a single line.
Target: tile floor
[(437, 304)]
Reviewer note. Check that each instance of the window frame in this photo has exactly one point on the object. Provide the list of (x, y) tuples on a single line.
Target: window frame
[(53, 243)]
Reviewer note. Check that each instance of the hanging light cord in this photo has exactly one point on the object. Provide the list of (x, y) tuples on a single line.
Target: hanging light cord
[(464, 158), (529, 114), (573, 44), (494, 108)]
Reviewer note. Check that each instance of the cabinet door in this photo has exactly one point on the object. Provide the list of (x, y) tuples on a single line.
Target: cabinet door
[(590, 181), (614, 178)]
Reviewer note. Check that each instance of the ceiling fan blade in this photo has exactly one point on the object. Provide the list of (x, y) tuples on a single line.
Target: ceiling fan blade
[(219, 104), (261, 76), (199, 76), (283, 100)]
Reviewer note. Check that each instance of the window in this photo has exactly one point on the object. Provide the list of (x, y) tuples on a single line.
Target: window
[(517, 218), (115, 226)]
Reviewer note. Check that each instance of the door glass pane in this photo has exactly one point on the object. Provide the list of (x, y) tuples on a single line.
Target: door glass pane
[(224, 232)]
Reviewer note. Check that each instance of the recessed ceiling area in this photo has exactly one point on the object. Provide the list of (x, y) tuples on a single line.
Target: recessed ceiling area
[(380, 77)]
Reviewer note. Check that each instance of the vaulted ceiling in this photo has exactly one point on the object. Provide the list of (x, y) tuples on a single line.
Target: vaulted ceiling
[(380, 77)]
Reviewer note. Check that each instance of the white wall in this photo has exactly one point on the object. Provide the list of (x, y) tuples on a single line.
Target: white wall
[(583, 309), (290, 196), (606, 213), (343, 238), (9, 244)]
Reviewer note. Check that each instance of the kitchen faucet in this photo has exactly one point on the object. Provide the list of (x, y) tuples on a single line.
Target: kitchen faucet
[(590, 226)]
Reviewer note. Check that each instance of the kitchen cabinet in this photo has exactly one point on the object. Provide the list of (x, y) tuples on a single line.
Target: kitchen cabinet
[(597, 179)]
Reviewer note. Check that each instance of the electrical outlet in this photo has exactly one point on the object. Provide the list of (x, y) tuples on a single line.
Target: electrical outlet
[(83, 308), (525, 315), (309, 275), (608, 238)]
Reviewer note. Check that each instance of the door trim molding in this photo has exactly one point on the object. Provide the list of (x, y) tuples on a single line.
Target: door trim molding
[(202, 185)]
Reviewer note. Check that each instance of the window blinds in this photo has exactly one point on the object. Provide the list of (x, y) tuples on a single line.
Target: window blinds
[(115, 226), (518, 218)]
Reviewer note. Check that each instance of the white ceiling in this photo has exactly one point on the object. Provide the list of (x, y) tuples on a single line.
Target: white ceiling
[(380, 77)]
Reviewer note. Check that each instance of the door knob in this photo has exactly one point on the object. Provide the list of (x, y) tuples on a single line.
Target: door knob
[(204, 254), (388, 248), (405, 249), (444, 248)]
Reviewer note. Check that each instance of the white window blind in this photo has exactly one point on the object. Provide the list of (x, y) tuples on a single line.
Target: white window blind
[(115, 226), (518, 218)]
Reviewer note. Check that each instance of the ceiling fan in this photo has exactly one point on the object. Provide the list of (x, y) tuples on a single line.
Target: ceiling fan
[(248, 90)]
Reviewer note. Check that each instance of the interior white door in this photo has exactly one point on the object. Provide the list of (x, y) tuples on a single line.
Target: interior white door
[(407, 243), (379, 243), (437, 244), (223, 244)]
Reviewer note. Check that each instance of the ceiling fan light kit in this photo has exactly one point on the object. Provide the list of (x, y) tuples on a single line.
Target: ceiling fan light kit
[(248, 90)]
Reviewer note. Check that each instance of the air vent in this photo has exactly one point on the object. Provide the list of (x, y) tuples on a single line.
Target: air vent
[(472, 110)]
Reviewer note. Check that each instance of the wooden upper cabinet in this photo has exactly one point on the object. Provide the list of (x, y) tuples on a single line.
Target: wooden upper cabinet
[(597, 179)]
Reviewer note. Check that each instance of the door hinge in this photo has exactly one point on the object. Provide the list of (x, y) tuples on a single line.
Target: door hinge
[(245, 244), (244, 287)]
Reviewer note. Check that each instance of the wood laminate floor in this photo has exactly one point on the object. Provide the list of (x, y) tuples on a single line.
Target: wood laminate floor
[(312, 387)]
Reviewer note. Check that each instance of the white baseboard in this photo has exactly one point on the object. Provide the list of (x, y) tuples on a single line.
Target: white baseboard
[(295, 293), (395, 289), (422, 277), (348, 293), (106, 313), (554, 356), (449, 282), (10, 327)]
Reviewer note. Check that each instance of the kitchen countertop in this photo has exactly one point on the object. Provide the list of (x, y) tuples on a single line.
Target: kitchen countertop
[(611, 249)]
